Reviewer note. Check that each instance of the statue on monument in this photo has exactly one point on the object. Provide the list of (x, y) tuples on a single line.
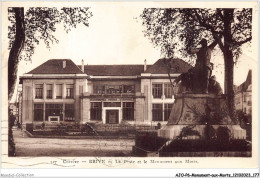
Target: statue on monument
[(197, 79), (195, 114)]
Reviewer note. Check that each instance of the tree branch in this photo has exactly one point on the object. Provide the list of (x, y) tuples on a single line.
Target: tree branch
[(213, 44), (218, 40), (238, 43), (220, 14), (207, 26)]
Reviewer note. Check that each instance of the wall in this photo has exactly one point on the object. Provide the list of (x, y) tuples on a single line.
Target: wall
[(243, 101), (29, 96), (143, 105)]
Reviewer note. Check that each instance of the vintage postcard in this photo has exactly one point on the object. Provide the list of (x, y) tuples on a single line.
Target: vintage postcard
[(129, 85)]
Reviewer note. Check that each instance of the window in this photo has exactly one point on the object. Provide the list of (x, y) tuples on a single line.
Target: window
[(129, 89), (250, 110), (167, 111), (157, 112), (69, 112), (38, 91), (157, 90), (49, 91), (245, 97), (128, 111), (53, 110), (59, 91), (38, 112), (99, 89), (167, 90), (96, 111), (69, 91), (113, 89)]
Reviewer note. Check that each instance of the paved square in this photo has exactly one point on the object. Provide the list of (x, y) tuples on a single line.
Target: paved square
[(27, 146)]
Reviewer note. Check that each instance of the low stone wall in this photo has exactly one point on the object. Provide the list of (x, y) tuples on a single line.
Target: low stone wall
[(207, 154), (173, 131)]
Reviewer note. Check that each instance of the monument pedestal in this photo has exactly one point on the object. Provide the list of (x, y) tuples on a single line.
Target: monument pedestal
[(193, 116), (174, 131)]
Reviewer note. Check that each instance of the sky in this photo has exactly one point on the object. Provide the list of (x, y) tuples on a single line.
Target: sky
[(115, 36)]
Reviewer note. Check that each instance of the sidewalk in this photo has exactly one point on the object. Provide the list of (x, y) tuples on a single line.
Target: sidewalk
[(18, 133)]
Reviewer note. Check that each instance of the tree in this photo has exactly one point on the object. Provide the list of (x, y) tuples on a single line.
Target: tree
[(28, 28), (176, 30)]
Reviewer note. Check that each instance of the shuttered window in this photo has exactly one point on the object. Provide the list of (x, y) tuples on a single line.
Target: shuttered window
[(69, 112), (96, 111), (39, 91), (128, 111), (167, 90), (59, 91), (69, 91), (157, 112), (157, 90), (49, 91), (167, 111), (38, 112)]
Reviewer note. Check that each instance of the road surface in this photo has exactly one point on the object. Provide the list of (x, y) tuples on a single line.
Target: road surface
[(27, 146)]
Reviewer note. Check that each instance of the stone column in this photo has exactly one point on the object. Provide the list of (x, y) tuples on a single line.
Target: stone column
[(63, 90), (147, 91), (54, 91), (44, 91), (85, 110), (139, 110), (44, 110), (27, 101), (76, 99)]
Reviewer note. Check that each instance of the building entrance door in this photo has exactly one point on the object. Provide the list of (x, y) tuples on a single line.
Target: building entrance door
[(112, 117)]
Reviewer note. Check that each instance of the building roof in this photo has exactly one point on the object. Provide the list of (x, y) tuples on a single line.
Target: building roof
[(114, 70), (177, 66), (55, 66), (244, 86), (159, 67)]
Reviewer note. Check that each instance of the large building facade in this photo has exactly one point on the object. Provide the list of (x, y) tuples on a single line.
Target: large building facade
[(60, 91), (243, 95)]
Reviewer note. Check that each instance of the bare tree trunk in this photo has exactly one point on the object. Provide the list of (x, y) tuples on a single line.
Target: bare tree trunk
[(229, 70), (225, 77), (15, 51), (229, 63)]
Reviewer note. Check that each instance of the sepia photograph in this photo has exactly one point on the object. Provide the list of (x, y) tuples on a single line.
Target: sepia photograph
[(125, 81)]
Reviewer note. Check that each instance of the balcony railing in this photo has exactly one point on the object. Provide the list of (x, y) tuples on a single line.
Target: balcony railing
[(114, 94)]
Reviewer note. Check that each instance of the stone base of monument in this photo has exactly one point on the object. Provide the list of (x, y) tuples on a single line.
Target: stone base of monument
[(199, 131), (193, 114), (199, 125)]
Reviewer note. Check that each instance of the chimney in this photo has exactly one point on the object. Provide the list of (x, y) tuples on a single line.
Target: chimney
[(64, 64), (145, 67), (82, 65)]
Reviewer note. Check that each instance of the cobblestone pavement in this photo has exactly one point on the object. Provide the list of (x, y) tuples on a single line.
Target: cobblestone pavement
[(27, 146)]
